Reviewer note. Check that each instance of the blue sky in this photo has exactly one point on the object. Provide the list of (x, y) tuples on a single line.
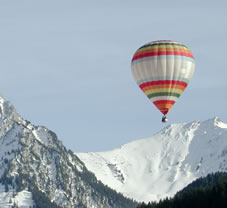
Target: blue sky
[(66, 65)]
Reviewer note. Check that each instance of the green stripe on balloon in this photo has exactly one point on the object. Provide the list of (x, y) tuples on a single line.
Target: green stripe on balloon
[(164, 94)]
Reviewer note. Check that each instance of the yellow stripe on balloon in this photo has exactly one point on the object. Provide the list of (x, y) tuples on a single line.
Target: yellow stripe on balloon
[(164, 86), (148, 92)]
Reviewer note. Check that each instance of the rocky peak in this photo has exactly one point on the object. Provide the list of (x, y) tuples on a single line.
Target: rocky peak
[(33, 159)]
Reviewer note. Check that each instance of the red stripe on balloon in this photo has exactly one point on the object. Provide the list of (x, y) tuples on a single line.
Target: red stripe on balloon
[(161, 53), (164, 102), (163, 82)]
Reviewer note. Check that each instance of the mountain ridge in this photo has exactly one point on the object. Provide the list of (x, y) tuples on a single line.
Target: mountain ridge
[(157, 167)]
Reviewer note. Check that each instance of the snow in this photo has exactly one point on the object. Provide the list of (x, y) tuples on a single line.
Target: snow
[(220, 124), (8, 146), (159, 166), (23, 198), (59, 196)]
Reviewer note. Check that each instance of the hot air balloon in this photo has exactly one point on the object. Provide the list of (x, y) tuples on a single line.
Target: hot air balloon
[(162, 70)]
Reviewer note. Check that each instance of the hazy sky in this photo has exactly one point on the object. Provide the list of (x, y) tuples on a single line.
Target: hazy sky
[(66, 65)]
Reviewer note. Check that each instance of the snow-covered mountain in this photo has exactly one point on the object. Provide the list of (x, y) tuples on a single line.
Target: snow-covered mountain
[(36, 170), (159, 166)]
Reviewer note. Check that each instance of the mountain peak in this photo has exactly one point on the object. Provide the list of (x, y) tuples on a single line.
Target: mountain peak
[(213, 122), (218, 122), (1, 99)]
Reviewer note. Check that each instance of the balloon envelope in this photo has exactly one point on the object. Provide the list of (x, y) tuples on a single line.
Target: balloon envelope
[(163, 69)]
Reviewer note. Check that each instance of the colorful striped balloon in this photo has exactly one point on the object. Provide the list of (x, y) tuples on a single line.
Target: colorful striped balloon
[(163, 69)]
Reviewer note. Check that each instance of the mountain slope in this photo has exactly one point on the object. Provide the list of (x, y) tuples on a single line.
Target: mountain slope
[(209, 192), (36, 168), (159, 166)]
